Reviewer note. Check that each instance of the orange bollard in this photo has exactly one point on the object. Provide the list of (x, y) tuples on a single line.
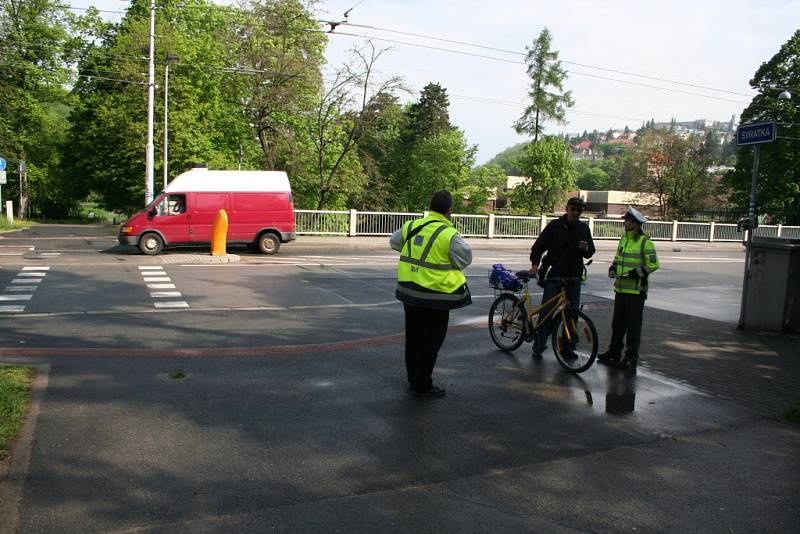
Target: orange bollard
[(219, 233)]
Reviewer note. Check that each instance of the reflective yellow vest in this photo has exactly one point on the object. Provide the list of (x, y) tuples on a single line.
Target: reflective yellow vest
[(634, 254), (425, 276)]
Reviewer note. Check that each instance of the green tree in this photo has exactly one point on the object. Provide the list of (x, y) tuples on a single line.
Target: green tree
[(34, 39), (277, 47), (485, 182), (590, 176), (508, 159), (548, 166), (674, 169), (548, 98), (778, 181), (441, 161), (341, 117), (382, 125)]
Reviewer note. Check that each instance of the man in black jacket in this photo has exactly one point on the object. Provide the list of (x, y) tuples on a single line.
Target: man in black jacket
[(566, 242)]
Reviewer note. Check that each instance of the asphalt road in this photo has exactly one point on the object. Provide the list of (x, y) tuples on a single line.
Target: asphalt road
[(73, 286), (291, 413)]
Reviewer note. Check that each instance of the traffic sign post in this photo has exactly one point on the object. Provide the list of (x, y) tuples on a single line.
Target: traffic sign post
[(2, 180), (752, 134)]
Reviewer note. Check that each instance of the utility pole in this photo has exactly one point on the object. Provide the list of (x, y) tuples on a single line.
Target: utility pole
[(170, 58), (151, 73)]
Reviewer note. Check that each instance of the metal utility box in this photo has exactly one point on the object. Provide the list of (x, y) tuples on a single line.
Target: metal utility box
[(773, 291)]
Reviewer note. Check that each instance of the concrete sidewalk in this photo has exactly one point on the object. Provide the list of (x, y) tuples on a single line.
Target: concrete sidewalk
[(322, 440)]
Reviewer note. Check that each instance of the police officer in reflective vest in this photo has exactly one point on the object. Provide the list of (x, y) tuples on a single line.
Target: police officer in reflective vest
[(430, 283), (635, 260)]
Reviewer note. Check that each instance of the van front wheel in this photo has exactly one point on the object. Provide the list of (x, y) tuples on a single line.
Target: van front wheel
[(151, 244), (269, 243)]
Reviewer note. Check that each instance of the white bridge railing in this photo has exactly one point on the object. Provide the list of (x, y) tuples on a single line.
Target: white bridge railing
[(355, 223)]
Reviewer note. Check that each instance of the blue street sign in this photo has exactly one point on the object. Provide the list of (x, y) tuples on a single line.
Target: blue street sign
[(753, 134), (2, 164)]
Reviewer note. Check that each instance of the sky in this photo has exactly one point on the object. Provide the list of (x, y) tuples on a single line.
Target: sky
[(621, 56)]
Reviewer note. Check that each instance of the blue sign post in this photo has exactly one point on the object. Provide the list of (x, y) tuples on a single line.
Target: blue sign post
[(2, 180), (752, 134)]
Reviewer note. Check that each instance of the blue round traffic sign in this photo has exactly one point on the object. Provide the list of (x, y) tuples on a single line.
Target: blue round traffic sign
[(2, 164)]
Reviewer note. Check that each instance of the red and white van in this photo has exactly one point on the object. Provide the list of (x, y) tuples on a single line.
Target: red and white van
[(258, 204)]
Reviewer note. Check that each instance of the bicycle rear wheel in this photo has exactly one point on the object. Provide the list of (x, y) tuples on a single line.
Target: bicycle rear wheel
[(506, 322), (577, 351)]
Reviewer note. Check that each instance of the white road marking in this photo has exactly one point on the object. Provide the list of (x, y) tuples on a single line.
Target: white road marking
[(171, 304), (150, 268), (162, 294), (15, 297), (50, 254), (25, 281), (161, 286), (36, 268), (32, 274), (22, 288), (157, 279), (12, 308)]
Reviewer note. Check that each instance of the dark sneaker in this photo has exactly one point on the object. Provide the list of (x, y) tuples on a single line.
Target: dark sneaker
[(608, 357), (435, 391), (536, 354)]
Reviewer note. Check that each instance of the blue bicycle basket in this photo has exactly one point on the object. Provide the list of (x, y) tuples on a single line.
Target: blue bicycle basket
[(502, 278)]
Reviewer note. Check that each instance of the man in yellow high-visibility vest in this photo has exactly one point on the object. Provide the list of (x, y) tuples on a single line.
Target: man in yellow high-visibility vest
[(430, 283), (634, 261)]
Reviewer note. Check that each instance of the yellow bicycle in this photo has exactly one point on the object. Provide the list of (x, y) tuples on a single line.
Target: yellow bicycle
[(511, 321)]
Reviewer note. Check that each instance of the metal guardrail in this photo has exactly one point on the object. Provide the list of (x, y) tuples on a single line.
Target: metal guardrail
[(372, 223)]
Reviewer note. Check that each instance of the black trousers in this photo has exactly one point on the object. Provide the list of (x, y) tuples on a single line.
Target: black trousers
[(426, 329), (627, 323)]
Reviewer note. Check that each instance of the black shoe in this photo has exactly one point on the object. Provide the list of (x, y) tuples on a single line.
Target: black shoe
[(537, 353), (435, 391), (608, 357)]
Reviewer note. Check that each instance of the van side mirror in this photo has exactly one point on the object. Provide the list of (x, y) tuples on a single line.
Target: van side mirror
[(152, 212)]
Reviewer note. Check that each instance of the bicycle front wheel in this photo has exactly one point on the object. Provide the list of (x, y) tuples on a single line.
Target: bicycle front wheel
[(506, 322), (575, 341)]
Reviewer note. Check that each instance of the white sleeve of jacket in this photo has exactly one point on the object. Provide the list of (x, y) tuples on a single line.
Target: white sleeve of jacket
[(396, 240), (460, 252)]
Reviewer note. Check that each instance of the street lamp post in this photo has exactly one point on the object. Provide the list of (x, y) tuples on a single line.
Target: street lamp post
[(170, 58)]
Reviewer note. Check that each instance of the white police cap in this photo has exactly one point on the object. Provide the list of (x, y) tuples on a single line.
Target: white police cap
[(636, 214)]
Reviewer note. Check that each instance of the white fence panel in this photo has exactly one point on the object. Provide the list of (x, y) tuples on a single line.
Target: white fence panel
[(371, 223), (472, 225), (608, 229), (790, 232), (658, 230), (374, 223), (767, 231), (693, 231), (727, 232), (512, 226), (316, 222)]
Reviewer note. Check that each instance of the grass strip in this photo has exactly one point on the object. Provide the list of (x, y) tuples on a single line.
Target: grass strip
[(15, 394)]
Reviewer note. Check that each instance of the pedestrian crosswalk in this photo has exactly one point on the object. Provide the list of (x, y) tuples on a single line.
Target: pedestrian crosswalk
[(158, 281), (22, 288)]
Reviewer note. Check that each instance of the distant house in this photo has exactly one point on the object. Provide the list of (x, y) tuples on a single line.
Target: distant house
[(613, 204), (584, 150)]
